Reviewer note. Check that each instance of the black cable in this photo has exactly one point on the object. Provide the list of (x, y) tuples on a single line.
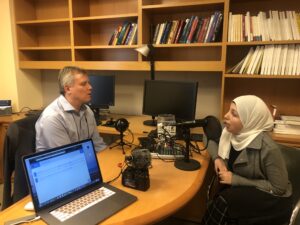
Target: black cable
[(122, 168)]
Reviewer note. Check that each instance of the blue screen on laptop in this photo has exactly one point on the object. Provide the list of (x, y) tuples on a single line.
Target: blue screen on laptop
[(61, 172)]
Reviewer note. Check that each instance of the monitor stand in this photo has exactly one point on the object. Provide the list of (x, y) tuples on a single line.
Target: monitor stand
[(152, 123)]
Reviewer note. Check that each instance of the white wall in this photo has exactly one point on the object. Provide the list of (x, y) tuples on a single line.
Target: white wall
[(7, 61), (23, 87), (129, 90)]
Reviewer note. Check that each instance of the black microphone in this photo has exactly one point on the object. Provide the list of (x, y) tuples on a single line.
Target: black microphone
[(192, 123)]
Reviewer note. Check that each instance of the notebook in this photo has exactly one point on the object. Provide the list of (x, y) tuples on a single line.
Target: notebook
[(66, 186)]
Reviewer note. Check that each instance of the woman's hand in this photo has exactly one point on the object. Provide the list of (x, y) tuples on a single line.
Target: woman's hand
[(220, 165), (225, 177)]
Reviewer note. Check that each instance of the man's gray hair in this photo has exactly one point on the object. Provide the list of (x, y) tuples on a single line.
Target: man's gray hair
[(66, 76)]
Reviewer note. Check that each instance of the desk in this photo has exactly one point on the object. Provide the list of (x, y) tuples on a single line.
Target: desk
[(170, 189)]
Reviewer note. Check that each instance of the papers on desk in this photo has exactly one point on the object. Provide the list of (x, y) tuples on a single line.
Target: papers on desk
[(287, 125)]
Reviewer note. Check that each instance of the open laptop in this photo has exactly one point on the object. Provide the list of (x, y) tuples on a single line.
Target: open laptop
[(67, 187)]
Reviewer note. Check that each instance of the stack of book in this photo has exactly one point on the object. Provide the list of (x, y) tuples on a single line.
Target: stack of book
[(190, 30), (124, 35), (270, 60), (287, 125), (272, 26)]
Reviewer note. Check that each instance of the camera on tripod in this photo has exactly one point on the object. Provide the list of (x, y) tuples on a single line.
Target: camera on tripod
[(136, 175)]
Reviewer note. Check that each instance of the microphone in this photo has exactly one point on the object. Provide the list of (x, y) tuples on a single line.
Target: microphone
[(192, 123), (139, 159)]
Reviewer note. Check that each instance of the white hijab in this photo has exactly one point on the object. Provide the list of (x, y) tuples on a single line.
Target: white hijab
[(255, 117)]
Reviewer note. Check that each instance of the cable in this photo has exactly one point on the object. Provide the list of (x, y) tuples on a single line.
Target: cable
[(122, 168)]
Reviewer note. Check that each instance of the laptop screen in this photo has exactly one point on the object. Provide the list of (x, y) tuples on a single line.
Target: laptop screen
[(62, 171)]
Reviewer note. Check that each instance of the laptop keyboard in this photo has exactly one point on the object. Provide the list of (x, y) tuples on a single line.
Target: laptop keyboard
[(72, 208)]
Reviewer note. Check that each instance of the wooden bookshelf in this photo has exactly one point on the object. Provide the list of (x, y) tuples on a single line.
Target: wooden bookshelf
[(279, 90), (52, 34)]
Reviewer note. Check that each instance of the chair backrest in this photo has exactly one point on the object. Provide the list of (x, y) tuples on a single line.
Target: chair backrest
[(19, 141), (295, 218), (292, 159)]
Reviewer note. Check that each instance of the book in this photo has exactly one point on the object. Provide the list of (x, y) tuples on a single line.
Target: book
[(122, 33), (292, 120), (253, 59), (218, 28), (173, 31), (247, 61), (203, 30), (133, 35), (166, 32), (183, 36), (155, 33), (160, 33), (282, 127), (237, 67), (179, 31), (192, 30)]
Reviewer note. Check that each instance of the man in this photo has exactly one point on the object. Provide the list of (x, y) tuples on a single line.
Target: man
[(68, 119)]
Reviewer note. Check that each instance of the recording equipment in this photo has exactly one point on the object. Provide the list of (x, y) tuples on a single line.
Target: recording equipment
[(121, 125), (193, 123), (5, 102), (5, 107), (212, 129), (136, 175), (139, 159)]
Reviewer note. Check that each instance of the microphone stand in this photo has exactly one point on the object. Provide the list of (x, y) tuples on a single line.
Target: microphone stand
[(186, 163)]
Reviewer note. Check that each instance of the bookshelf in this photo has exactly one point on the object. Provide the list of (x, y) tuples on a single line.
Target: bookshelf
[(61, 32), (52, 34), (279, 90)]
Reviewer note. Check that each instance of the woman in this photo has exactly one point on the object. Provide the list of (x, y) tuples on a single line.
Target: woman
[(250, 167)]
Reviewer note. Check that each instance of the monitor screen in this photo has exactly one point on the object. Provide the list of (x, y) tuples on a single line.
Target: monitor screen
[(103, 92), (170, 97)]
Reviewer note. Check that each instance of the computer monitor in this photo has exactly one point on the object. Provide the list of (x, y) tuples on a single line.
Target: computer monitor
[(103, 93), (170, 97)]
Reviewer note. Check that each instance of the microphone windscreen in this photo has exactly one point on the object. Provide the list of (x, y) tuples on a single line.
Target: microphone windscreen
[(213, 129)]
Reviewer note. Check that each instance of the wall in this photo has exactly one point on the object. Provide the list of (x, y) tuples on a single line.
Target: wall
[(129, 90), (7, 61), (23, 87)]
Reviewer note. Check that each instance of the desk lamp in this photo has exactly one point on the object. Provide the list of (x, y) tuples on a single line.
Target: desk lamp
[(148, 52)]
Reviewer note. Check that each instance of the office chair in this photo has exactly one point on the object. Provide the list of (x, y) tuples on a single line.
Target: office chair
[(292, 158), (19, 141)]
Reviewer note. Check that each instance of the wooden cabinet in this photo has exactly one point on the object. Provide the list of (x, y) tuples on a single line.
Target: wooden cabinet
[(51, 34), (182, 57), (279, 90)]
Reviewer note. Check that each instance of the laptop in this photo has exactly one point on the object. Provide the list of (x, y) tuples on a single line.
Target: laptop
[(66, 186)]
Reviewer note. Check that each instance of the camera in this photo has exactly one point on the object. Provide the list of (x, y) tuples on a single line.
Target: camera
[(136, 175)]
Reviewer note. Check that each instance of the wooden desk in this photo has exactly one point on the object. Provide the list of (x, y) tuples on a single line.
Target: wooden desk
[(170, 189), (287, 139)]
